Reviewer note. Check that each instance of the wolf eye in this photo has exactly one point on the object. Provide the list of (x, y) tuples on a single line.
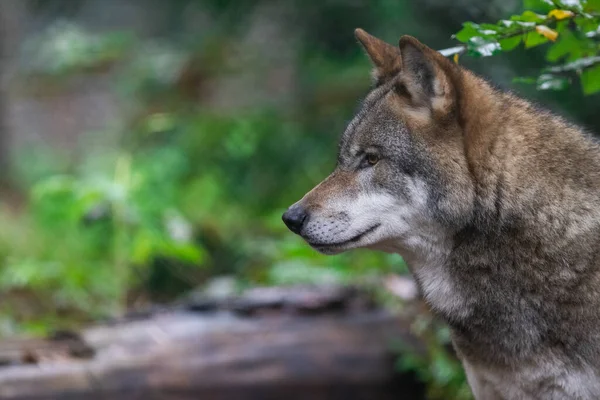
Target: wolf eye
[(372, 159)]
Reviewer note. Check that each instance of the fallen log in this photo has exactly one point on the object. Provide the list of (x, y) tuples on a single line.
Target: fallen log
[(227, 351)]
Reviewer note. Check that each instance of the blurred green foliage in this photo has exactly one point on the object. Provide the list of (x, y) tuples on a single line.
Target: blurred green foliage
[(438, 367), (188, 193), (572, 28)]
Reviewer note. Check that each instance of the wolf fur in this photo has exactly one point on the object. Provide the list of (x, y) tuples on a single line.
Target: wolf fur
[(495, 205)]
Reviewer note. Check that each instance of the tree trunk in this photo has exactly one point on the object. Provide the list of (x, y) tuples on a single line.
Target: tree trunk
[(339, 353)]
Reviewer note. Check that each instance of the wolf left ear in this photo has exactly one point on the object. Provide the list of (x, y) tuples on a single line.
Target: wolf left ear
[(426, 76), (384, 56)]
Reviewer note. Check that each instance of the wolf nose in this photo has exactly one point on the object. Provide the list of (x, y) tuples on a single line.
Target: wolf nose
[(294, 218)]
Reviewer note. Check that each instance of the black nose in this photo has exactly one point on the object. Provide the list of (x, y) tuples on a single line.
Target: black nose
[(294, 218)]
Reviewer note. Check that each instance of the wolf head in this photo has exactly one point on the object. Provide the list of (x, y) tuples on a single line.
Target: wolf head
[(402, 176)]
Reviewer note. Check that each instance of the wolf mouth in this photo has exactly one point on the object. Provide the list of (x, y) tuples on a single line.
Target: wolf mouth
[(351, 240)]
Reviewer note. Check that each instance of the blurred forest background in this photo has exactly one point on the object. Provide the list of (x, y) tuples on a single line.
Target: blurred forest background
[(150, 146)]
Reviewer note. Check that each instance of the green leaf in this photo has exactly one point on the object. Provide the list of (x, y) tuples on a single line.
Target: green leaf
[(468, 31), (551, 82), (562, 26), (184, 252), (510, 43), (533, 39), (506, 23), (588, 26), (530, 16), (566, 45), (523, 25), (482, 47), (590, 80), (594, 33), (539, 5), (524, 79), (491, 30), (592, 6), (545, 82)]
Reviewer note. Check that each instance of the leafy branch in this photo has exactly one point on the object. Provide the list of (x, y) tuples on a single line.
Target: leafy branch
[(571, 26)]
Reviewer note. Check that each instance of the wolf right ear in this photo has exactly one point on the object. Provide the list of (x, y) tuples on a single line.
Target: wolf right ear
[(385, 57), (426, 76)]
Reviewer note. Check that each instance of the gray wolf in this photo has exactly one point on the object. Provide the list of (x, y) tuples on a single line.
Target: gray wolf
[(494, 204)]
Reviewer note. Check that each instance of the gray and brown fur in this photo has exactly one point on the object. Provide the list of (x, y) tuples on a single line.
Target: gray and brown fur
[(495, 206)]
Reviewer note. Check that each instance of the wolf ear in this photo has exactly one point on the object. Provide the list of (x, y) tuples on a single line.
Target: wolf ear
[(425, 78), (384, 56)]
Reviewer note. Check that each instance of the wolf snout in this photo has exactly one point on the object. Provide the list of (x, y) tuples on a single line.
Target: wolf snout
[(295, 218)]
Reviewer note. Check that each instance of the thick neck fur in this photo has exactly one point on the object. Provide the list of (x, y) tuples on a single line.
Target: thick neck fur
[(521, 276)]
